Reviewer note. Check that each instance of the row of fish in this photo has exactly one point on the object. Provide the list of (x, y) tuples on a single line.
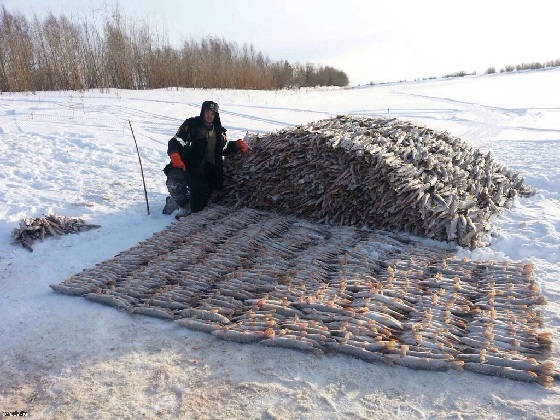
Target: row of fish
[(385, 173), (259, 277)]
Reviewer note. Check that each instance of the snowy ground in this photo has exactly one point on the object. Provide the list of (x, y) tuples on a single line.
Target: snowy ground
[(72, 153)]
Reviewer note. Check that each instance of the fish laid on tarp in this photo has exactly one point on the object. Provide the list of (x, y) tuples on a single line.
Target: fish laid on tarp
[(260, 277)]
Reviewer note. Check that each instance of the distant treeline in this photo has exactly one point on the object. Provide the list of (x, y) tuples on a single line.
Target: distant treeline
[(526, 66), (523, 66), (56, 53), (490, 70)]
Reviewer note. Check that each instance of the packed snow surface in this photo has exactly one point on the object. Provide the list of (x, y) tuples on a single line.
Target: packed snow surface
[(72, 153)]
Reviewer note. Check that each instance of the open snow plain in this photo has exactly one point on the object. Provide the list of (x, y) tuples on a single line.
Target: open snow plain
[(72, 153)]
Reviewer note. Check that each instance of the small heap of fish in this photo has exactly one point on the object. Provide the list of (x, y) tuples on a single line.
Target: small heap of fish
[(385, 173), (31, 229), (251, 276)]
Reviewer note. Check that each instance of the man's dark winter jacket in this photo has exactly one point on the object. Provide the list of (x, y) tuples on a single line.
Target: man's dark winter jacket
[(190, 143)]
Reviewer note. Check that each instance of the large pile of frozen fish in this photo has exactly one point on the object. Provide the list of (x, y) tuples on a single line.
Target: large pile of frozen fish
[(257, 277), (384, 173)]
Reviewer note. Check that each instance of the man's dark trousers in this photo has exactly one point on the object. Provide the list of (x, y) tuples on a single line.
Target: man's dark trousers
[(200, 181)]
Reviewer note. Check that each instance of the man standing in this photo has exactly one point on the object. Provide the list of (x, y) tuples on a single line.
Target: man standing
[(196, 167)]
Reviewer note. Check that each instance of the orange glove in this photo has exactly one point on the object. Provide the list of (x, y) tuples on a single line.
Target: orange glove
[(242, 145), (177, 162)]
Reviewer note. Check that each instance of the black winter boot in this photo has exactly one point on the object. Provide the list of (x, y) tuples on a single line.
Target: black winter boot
[(170, 205), (183, 212)]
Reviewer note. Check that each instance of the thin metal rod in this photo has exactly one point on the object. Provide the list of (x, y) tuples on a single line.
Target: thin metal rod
[(141, 169)]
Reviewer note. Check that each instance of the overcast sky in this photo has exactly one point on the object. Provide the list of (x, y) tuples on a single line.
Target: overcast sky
[(369, 40)]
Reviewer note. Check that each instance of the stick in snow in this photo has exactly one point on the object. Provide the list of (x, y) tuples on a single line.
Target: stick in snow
[(141, 169)]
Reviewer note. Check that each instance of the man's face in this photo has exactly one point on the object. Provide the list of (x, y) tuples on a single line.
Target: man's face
[(209, 116)]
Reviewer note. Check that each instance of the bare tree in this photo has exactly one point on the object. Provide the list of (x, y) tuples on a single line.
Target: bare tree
[(56, 53)]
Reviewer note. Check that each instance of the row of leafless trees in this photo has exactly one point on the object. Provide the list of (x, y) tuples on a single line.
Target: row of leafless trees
[(55, 53), (530, 66), (491, 70), (523, 66)]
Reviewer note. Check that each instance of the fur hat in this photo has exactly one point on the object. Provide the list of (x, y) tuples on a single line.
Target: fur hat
[(211, 105)]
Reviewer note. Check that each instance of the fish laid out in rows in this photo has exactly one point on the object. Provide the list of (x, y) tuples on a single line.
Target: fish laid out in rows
[(260, 277), (385, 173)]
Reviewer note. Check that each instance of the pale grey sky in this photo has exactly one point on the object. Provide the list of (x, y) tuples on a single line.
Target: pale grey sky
[(369, 40)]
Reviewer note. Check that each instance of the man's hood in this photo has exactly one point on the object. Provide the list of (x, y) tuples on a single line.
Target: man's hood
[(217, 121)]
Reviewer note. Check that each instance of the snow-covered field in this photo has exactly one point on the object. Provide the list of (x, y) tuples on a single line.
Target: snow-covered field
[(72, 153)]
